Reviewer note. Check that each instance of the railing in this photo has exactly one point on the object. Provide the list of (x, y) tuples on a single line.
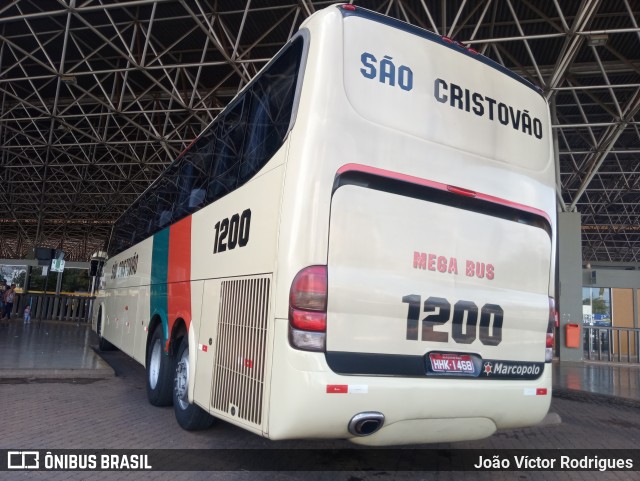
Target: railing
[(54, 307), (612, 344)]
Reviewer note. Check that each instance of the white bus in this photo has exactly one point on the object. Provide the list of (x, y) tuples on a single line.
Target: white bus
[(360, 246)]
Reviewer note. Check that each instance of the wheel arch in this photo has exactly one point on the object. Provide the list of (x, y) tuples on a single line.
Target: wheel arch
[(154, 323), (178, 331)]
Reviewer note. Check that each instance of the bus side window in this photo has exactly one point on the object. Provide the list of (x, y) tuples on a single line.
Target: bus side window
[(166, 195), (201, 159), (184, 181), (271, 98), (253, 154), (223, 177), (144, 227)]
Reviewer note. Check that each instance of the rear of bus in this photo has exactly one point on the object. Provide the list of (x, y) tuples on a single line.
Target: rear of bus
[(414, 280)]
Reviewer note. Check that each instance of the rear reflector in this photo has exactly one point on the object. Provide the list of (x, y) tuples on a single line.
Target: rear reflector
[(549, 340), (460, 191), (337, 388)]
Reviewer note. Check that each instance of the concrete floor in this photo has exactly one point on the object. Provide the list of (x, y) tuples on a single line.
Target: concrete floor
[(49, 349), (57, 393)]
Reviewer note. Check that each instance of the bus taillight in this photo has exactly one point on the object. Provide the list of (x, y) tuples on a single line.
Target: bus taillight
[(308, 309), (550, 330)]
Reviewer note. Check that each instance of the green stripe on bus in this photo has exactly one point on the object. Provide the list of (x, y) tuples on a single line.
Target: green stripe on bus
[(159, 270)]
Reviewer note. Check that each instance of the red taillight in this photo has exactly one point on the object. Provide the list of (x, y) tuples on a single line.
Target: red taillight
[(348, 6), (308, 321), (308, 309), (309, 289), (551, 323)]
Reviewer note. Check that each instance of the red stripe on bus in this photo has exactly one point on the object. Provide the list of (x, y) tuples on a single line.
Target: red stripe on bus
[(179, 273), (440, 186)]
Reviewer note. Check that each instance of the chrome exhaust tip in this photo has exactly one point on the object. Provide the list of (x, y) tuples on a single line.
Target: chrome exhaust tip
[(365, 424)]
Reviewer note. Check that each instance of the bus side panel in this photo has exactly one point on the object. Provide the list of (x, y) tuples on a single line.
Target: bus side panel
[(141, 324), (127, 319), (126, 299), (195, 322), (206, 335), (237, 234), (232, 361)]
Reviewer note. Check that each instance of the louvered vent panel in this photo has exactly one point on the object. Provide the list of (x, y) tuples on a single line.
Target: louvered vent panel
[(239, 368)]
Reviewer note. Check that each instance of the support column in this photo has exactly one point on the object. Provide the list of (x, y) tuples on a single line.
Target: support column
[(635, 308), (58, 283), (570, 277)]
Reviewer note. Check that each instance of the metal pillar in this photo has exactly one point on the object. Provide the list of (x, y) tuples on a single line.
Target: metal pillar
[(570, 276)]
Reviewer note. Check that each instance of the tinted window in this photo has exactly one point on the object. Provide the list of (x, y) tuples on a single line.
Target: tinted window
[(242, 139), (227, 153), (271, 100)]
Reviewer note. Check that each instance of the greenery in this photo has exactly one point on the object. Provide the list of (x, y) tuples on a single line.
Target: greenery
[(73, 281)]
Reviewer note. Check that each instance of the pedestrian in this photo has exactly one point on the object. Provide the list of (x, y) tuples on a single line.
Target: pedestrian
[(8, 297), (27, 314), (3, 288)]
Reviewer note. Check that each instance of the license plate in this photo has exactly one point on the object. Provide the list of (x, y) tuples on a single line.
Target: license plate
[(449, 363)]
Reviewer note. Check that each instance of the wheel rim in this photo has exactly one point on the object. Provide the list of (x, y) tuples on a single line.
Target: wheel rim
[(154, 364), (182, 380)]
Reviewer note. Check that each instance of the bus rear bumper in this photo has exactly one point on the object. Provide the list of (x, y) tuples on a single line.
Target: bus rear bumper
[(416, 431), (308, 400)]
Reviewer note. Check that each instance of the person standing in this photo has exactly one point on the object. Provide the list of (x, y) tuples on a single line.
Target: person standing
[(9, 296), (3, 289)]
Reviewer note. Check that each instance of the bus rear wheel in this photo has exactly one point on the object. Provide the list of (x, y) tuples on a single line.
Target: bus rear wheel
[(189, 416), (160, 370)]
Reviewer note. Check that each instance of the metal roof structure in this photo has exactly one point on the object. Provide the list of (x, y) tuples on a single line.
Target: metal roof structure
[(97, 97)]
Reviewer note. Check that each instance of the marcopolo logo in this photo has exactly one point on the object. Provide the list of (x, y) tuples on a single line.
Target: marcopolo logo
[(512, 370)]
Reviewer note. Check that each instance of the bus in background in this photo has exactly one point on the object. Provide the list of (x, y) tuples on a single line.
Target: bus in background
[(360, 246)]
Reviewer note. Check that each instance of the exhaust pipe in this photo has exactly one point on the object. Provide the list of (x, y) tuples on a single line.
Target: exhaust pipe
[(365, 424)]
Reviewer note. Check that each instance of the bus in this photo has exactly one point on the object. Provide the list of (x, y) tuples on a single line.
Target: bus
[(360, 246)]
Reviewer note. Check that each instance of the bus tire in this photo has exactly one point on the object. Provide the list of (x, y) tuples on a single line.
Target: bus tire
[(160, 369), (189, 416)]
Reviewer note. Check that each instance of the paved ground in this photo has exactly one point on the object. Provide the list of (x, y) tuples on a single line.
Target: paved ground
[(113, 413)]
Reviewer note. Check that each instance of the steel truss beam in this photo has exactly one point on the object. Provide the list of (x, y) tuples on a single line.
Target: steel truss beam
[(97, 97)]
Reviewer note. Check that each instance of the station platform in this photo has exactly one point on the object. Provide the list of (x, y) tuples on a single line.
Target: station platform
[(50, 350), (65, 350)]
